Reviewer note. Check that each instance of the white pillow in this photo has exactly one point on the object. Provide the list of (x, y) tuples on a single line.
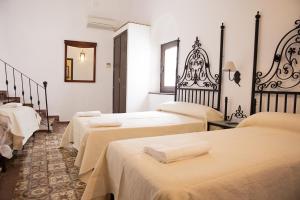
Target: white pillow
[(287, 121), (191, 109), (12, 105)]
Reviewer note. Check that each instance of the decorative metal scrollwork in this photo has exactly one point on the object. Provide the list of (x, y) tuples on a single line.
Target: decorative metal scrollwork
[(285, 70), (239, 114), (197, 70)]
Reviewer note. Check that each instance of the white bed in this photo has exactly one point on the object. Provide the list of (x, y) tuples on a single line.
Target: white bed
[(17, 123), (258, 160), (171, 118)]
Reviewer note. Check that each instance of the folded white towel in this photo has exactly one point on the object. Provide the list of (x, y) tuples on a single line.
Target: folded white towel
[(12, 105), (88, 114), (167, 154), (96, 123)]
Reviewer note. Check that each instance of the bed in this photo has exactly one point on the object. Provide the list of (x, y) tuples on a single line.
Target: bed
[(17, 124), (196, 86), (260, 159), (169, 119)]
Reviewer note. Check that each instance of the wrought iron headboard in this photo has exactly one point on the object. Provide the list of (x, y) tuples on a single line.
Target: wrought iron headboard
[(278, 90), (197, 84)]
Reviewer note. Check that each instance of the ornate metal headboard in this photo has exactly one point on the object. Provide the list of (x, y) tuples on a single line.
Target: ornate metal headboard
[(278, 90), (197, 84)]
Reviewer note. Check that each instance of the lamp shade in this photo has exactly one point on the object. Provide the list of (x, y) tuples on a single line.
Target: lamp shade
[(229, 66)]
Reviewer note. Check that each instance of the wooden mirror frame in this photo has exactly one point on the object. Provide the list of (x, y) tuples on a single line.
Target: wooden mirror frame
[(80, 44)]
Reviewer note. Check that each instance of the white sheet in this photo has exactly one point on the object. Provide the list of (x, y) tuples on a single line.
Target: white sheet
[(92, 142), (95, 113), (24, 122), (98, 123), (253, 162), (11, 105), (5, 137)]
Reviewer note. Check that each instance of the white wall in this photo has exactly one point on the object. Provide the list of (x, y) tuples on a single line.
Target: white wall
[(3, 42), (32, 38), (138, 73), (32, 34), (170, 19)]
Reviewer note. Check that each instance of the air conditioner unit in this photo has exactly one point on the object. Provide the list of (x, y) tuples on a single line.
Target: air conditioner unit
[(103, 23)]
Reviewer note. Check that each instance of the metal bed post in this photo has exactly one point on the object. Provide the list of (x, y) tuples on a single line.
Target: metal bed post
[(221, 65), (253, 102), (46, 99)]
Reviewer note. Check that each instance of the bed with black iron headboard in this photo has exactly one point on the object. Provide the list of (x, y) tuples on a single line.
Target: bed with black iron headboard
[(197, 84), (278, 90)]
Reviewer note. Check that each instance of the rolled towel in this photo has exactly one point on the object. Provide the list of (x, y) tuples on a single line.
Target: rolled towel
[(167, 154), (89, 114), (96, 123)]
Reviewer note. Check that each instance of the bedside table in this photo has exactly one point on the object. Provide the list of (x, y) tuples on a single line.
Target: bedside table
[(222, 124)]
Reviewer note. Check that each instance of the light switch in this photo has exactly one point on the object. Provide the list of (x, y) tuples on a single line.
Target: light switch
[(108, 65)]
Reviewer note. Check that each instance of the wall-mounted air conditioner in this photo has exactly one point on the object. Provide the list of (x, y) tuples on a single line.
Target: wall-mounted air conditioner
[(103, 23)]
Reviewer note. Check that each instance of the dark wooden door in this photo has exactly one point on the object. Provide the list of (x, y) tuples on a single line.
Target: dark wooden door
[(120, 73)]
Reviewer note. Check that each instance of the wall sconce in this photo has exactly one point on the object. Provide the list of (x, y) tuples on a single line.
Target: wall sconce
[(82, 56), (230, 67)]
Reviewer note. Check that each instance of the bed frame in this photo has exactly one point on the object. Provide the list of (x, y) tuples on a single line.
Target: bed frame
[(197, 84), (278, 90)]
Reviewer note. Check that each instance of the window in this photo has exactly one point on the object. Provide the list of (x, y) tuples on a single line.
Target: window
[(169, 54)]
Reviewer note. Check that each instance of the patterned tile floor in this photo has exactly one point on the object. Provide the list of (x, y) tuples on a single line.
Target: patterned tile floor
[(46, 171)]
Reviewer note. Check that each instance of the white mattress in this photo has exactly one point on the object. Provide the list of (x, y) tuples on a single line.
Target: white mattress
[(22, 121), (261, 161), (92, 142)]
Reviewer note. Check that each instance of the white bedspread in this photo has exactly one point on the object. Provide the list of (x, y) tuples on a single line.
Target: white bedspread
[(24, 122), (258, 163), (5, 137), (92, 142)]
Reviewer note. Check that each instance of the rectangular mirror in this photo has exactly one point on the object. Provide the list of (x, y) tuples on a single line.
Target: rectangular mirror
[(80, 61)]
